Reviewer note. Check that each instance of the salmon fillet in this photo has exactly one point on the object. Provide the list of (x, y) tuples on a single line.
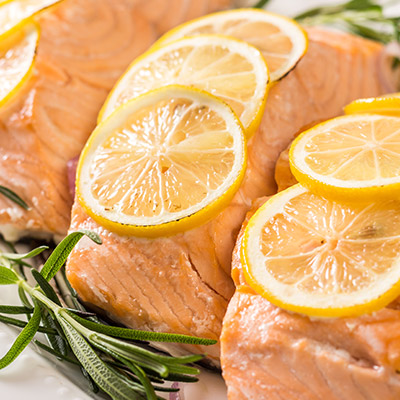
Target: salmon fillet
[(182, 283), (271, 354), (85, 46)]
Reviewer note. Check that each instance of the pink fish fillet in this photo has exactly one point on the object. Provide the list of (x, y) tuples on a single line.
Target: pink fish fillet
[(85, 45), (182, 283)]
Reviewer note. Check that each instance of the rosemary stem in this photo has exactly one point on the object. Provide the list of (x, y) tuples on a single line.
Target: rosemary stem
[(38, 295)]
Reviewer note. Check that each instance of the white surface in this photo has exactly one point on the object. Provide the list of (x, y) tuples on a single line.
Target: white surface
[(33, 377)]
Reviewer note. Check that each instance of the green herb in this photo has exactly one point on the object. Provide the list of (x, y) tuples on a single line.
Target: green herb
[(13, 197), (109, 357), (261, 4), (361, 17)]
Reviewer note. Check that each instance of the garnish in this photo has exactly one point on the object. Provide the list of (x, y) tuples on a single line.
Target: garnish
[(107, 355), (13, 197), (261, 4), (362, 17)]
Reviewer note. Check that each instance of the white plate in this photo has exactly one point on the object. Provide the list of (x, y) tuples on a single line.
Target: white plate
[(33, 377)]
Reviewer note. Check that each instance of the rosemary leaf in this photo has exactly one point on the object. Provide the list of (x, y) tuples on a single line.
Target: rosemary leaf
[(183, 369), (104, 345), (15, 310), (24, 299), (62, 251), (261, 4), (23, 339), (134, 382), (132, 334), (18, 257), (7, 276), (144, 380), (104, 377), (361, 17), (23, 324), (13, 197), (81, 313), (46, 287), (57, 342), (181, 378), (137, 350)]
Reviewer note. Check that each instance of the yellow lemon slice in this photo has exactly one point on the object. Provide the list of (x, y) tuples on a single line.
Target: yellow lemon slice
[(227, 68), (388, 104), (17, 56), (14, 13), (307, 254), (350, 158), (162, 163), (282, 41)]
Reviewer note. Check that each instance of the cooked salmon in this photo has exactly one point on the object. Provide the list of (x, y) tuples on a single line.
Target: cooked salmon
[(268, 353), (182, 283), (85, 46)]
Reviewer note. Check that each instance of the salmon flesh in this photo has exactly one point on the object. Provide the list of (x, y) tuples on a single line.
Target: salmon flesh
[(183, 283), (85, 45)]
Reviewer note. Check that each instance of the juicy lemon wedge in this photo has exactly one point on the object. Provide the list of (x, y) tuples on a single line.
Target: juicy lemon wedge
[(162, 163), (227, 68), (388, 104), (281, 40), (310, 255), (17, 56), (352, 158), (14, 13)]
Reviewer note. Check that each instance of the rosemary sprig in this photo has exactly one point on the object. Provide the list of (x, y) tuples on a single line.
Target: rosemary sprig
[(361, 17), (109, 357), (261, 3), (13, 197)]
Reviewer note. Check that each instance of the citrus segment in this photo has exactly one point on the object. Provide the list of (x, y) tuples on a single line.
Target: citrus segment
[(17, 56), (281, 40), (227, 68), (164, 162), (13, 13), (308, 254), (388, 104), (352, 158)]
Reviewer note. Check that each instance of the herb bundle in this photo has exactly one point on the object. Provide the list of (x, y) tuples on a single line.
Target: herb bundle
[(365, 18), (361, 17), (108, 356)]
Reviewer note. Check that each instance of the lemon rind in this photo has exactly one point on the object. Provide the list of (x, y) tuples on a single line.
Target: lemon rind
[(253, 123), (386, 105), (279, 20), (173, 227), (26, 20), (347, 191), (247, 257), (35, 28)]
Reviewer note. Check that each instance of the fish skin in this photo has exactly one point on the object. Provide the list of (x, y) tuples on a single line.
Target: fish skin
[(201, 257), (85, 45)]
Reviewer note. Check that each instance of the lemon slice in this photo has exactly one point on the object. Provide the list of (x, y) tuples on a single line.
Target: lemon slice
[(388, 104), (307, 254), (17, 56), (282, 41), (350, 158), (162, 163), (14, 13), (227, 68)]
